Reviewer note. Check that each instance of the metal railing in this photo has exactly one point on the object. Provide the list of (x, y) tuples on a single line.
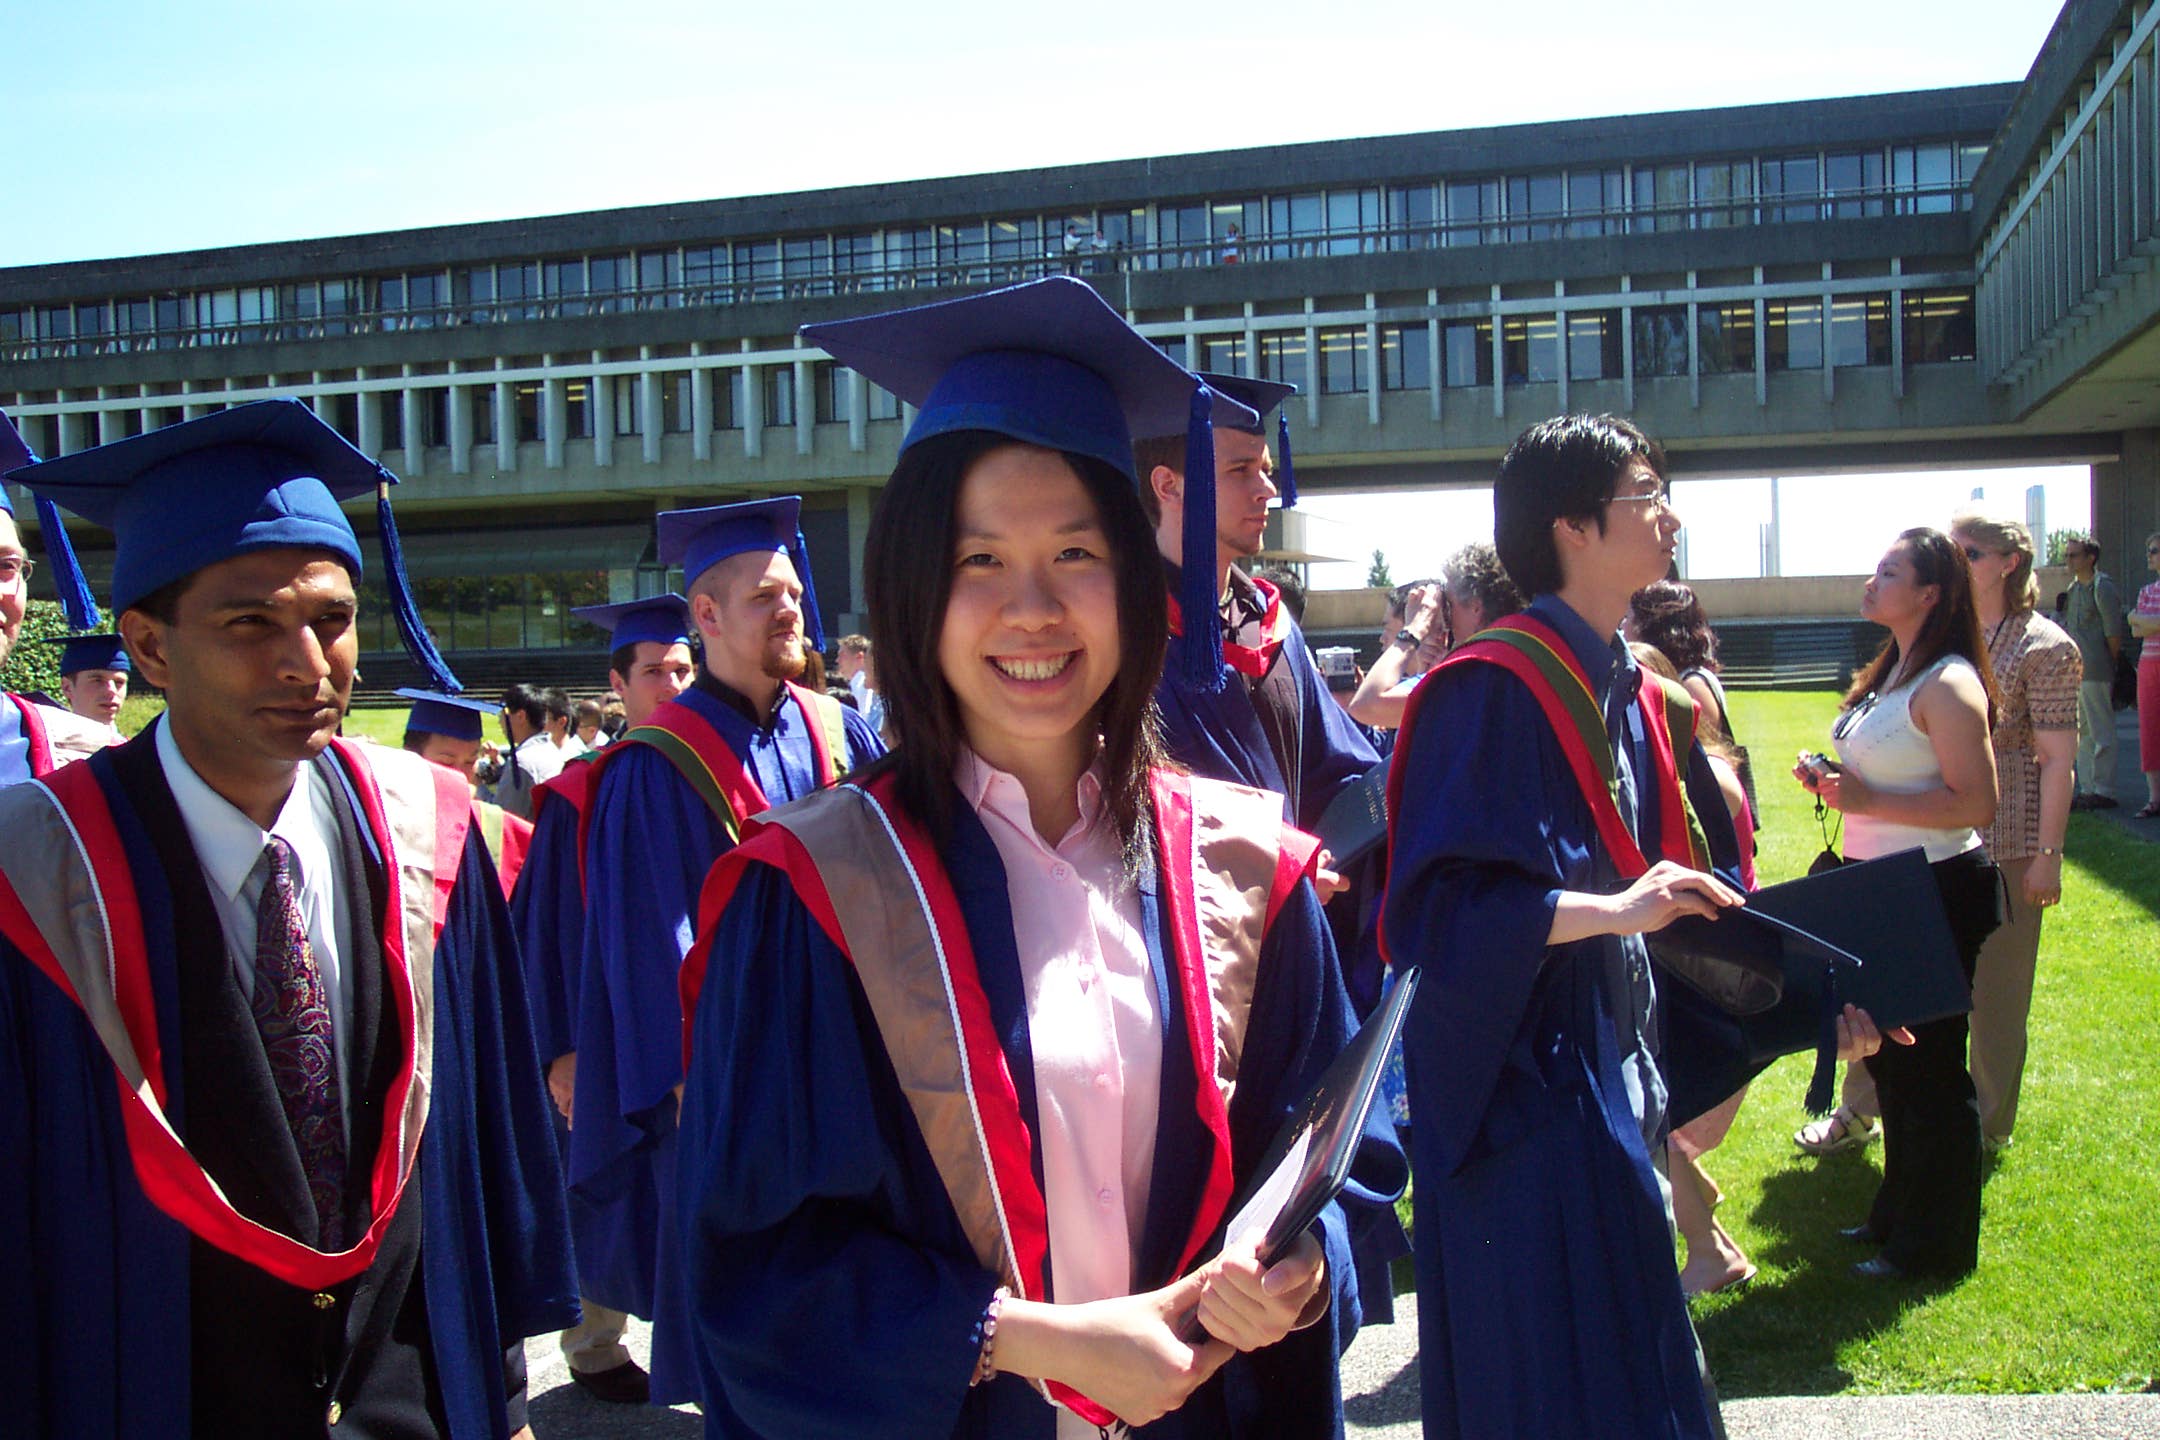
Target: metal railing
[(1093, 257)]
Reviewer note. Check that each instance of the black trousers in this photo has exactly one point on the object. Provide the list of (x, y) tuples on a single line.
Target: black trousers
[(1928, 1208)]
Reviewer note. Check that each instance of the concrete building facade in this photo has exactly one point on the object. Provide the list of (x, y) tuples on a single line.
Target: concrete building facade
[(1887, 282)]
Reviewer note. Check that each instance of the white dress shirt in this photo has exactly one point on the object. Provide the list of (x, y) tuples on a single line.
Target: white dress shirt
[(229, 847)]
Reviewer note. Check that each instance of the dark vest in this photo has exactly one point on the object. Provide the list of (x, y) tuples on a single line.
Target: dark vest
[(270, 1358)]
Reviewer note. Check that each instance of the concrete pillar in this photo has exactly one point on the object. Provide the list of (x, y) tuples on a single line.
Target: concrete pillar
[(752, 410), (460, 428), (858, 416), (554, 416), (1564, 361), (1373, 359), (108, 421), (1694, 347), (1829, 350), (505, 423), (1897, 327), (1438, 381), (409, 409), (1762, 344), (652, 410), (2126, 508), (600, 405), (805, 409), (367, 404), (1498, 347), (861, 500), (1312, 366), (701, 411)]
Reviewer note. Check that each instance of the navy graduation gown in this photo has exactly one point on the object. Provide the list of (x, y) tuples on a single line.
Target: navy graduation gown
[(106, 1281), (1548, 1299), (650, 839), (835, 1291), (547, 910)]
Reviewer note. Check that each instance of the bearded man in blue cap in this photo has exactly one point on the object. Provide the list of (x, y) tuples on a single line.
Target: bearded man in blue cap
[(279, 1151), (668, 799)]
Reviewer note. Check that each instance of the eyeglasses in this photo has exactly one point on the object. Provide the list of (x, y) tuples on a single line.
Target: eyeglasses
[(15, 568), (1661, 498)]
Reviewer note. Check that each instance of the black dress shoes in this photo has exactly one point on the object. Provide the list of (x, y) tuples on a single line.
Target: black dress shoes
[(625, 1384), (1879, 1269), (1862, 1234)]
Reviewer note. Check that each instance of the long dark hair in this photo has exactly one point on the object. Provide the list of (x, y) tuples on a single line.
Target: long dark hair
[(1669, 615), (1951, 628), (907, 580)]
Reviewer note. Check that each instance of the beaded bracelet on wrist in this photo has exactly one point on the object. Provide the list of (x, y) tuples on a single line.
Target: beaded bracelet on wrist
[(986, 1334)]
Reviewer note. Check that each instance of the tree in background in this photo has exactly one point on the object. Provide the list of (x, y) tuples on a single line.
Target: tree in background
[(2056, 540), (33, 668), (1377, 578)]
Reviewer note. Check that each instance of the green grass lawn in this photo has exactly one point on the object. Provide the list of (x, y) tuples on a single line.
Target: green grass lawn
[(384, 725), (2065, 1296)]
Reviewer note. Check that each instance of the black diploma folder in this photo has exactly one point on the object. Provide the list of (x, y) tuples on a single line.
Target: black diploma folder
[(1356, 820), (1879, 924), (1309, 1161)]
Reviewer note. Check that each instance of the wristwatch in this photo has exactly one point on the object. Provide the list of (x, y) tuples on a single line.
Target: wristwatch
[(1409, 639)]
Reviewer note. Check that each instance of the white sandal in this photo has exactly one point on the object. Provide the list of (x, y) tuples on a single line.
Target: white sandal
[(1841, 1129)]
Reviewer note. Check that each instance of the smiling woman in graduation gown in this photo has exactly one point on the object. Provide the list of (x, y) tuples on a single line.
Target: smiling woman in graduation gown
[(887, 1135)]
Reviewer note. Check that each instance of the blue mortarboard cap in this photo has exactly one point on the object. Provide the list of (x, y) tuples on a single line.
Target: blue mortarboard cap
[(1049, 363), (664, 619), (1261, 396), (74, 590), (699, 539), (249, 478), (91, 652), (438, 712)]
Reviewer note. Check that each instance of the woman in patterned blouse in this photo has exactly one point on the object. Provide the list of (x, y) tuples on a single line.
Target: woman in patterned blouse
[(2037, 671)]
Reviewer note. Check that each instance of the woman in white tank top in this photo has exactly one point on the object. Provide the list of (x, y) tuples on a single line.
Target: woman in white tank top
[(1916, 769)]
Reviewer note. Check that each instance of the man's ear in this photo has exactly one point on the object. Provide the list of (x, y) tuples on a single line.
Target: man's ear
[(1168, 485), (147, 640), (1572, 532), (705, 612)]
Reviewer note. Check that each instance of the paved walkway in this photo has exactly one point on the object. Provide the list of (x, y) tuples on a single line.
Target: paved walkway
[(1380, 1401)]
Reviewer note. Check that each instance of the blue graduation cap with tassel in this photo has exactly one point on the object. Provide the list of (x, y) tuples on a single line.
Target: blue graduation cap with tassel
[(91, 652), (1261, 396), (75, 597), (1051, 364), (253, 477), (699, 539)]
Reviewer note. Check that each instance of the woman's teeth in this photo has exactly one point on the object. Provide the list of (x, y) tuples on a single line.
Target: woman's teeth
[(1033, 667)]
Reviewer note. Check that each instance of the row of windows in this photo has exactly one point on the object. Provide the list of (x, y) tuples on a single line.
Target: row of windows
[(1533, 349), (1586, 345), (498, 612), (1560, 204)]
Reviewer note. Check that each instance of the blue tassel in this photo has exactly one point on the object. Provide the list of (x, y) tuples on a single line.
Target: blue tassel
[(813, 623), (1822, 1083), (1201, 658), (417, 642), (1285, 474), (75, 597)]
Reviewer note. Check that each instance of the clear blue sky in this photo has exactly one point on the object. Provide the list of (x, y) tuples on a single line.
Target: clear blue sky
[(133, 128)]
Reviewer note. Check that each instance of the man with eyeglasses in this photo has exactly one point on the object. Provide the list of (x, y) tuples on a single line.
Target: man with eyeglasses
[(2093, 614), (35, 739), (1550, 810)]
